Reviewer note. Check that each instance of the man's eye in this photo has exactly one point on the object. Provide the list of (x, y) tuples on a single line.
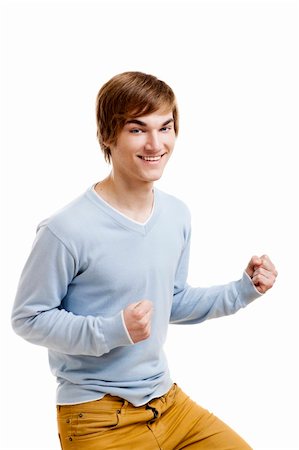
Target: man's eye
[(135, 131), (165, 129)]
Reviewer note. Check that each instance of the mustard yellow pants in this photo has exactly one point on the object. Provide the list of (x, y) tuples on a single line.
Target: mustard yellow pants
[(171, 422)]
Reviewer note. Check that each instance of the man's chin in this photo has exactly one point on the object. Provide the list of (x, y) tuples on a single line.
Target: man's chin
[(155, 176)]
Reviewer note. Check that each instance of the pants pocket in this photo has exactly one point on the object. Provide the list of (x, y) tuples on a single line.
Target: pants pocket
[(95, 423)]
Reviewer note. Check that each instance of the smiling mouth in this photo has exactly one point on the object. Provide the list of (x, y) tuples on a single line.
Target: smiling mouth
[(151, 158)]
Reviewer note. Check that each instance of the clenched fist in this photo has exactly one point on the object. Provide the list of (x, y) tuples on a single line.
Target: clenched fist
[(137, 318), (262, 272)]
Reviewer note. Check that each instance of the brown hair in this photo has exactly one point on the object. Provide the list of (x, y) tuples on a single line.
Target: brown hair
[(130, 94)]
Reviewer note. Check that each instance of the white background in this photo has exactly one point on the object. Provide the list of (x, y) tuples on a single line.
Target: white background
[(234, 68)]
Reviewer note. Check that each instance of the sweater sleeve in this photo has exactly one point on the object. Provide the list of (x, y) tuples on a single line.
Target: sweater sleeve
[(195, 304), (37, 314)]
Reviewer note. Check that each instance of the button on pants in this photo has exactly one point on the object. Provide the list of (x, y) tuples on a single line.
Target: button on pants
[(170, 422)]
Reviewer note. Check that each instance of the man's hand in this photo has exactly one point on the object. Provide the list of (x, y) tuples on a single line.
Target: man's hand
[(137, 318), (262, 272)]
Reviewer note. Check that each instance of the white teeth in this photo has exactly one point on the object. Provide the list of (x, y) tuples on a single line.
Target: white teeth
[(151, 158)]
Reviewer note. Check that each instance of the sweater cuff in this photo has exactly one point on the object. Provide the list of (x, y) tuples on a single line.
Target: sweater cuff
[(115, 331), (247, 290)]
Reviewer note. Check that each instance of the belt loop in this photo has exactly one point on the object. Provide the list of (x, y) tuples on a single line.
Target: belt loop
[(124, 405), (170, 396)]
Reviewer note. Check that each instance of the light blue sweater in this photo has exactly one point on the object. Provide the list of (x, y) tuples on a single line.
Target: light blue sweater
[(88, 263)]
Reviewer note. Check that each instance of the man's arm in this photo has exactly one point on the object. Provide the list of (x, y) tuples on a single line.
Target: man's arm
[(37, 315), (194, 305)]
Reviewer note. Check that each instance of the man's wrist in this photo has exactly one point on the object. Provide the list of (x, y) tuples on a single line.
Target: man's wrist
[(247, 290)]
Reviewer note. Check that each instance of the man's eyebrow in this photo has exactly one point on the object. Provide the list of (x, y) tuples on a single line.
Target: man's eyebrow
[(143, 124)]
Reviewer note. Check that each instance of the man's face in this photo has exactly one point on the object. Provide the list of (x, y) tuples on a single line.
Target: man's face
[(143, 147)]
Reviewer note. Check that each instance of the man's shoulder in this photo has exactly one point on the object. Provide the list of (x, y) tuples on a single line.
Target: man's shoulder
[(69, 217), (172, 203)]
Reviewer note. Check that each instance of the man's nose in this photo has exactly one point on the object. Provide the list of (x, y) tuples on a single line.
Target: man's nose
[(153, 142)]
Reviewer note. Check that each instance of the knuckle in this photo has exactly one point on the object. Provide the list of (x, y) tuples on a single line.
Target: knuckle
[(146, 334), (143, 323), (137, 315), (142, 336)]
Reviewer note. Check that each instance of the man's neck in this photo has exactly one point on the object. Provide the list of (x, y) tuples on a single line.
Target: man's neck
[(134, 201)]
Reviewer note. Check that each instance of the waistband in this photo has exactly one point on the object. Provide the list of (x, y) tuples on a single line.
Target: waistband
[(109, 402)]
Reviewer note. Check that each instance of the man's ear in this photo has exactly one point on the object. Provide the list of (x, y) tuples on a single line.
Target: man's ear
[(108, 143)]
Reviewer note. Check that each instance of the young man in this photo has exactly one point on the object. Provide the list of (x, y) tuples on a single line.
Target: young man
[(108, 273)]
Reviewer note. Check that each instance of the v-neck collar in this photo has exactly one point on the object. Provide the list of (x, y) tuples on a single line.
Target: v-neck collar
[(121, 218)]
